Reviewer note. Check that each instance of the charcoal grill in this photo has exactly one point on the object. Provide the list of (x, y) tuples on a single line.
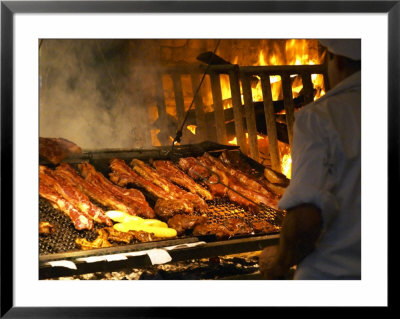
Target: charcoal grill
[(58, 255)]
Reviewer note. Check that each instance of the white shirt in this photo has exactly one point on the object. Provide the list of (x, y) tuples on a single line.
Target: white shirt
[(326, 172)]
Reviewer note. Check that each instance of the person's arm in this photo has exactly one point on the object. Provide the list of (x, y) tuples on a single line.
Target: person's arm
[(300, 231)]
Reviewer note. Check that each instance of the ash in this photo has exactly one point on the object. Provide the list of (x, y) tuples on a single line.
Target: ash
[(239, 266)]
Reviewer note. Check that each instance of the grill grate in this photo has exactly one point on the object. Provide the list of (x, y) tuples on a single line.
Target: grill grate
[(221, 209)]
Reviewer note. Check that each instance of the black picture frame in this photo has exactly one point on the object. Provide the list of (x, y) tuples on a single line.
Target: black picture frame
[(9, 8)]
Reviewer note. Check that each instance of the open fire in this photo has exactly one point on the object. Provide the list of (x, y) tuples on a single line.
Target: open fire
[(294, 52)]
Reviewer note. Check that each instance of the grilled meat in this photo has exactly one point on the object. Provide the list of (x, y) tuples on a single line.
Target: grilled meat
[(218, 230), (100, 242), (142, 236), (128, 200), (56, 149), (152, 175), (123, 175), (276, 177), (237, 226), (169, 171), (94, 190), (233, 159), (240, 183), (118, 236), (66, 189), (183, 222), (46, 228), (263, 226), (166, 208), (197, 170), (228, 228), (191, 166), (78, 218), (84, 211)]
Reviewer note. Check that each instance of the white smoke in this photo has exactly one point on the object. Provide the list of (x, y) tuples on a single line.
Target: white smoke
[(92, 95)]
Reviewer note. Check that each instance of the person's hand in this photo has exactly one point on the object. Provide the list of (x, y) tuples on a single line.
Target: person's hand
[(269, 265)]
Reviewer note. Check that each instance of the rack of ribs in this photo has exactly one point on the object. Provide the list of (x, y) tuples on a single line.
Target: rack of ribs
[(94, 191), (131, 201), (67, 189), (78, 218), (169, 171), (198, 171), (153, 176), (240, 183), (122, 175)]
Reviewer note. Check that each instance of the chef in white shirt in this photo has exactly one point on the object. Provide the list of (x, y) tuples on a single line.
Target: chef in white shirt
[(321, 234)]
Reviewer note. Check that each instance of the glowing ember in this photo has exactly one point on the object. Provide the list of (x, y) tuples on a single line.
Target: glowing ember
[(286, 165), (192, 128)]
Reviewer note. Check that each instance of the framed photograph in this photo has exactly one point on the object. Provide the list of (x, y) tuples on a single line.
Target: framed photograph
[(46, 47)]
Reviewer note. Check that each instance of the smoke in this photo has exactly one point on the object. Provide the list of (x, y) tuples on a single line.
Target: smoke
[(93, 93)]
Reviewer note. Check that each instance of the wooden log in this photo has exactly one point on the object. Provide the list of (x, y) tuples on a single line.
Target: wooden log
[(250, 116), (270, 121), (218, 108), (237, 111)]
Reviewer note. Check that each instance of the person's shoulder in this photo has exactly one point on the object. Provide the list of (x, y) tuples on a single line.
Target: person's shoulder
[(311, 110)]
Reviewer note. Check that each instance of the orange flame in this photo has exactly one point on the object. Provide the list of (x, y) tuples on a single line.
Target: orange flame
[(192, 128)]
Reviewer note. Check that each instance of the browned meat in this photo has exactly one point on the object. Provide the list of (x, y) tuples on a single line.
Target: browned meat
[(78, 218), (276, 177), (46, 228), (100, 242), (239, 182), (262, 226), (237, 226), (118, 236), (95, 190), (123, 175), (184, 222), (166, 208), (75, 204), (169, 171), (216, 229), (56, 149), (228, 228), (128, 200), (234, 160), (142, 236), (191, 166), (153, 176), (67, 189)]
